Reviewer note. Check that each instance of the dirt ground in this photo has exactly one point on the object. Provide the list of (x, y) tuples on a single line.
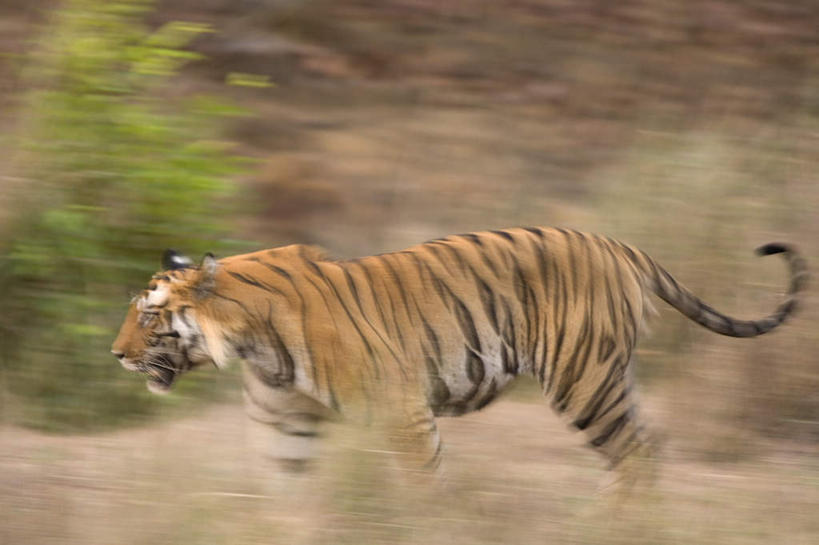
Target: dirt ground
[(514, 475)]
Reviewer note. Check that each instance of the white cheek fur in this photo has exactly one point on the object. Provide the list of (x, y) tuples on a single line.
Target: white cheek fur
[(184, 329), (157, 297), (213, 345)]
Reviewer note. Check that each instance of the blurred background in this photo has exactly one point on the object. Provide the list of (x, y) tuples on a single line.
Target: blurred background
[(689, 129)]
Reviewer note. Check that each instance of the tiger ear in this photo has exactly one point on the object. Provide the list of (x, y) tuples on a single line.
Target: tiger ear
[(173, 260), (207, 273), (209, 264)]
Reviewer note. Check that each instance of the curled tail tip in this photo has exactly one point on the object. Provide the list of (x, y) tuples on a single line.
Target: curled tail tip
[(799, 270), (773, 248)]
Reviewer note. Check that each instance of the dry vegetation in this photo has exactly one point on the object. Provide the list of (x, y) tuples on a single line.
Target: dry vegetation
[(197, 480), (687, 128)]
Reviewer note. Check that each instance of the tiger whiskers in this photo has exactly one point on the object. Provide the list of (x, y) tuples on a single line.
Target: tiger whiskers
[(161, 362)]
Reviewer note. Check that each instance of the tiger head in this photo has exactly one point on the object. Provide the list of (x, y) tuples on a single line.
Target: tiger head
[(161, 336)]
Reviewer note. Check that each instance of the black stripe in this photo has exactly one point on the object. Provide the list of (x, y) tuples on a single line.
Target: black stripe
[(353, 289), (456, 255), (278, 270), (618, 292), (438, 284), (474, 238), (535, 339), (510, 343), (255, 283), (510, 363), (333, 398), (786, 308), (520, 286), (266, 376), (487, 299), (504, 234), (306, 329), (560, 305), (568, 376), (434, 249), (419, 266), (611, 429), (573, 270), (234, 301), (589, 413), (438, 390), (456, 258), (588, 336), (491, 392), (606, 347), (467, 325), (536, 231), (379, 300), (367, 320), (629, 252), (475, 368), (475, 372), (376, 299), (367, 345), (400, 287), (303, 312), (509, 252), (433, 339), (283, 354), (659, 271), (624, 394), (540, 344), (631, 336), (296, 432), (581, 360), (560, 322), (481, 250)]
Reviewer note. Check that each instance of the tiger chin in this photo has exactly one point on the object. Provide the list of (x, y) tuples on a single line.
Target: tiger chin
[(438, 329)]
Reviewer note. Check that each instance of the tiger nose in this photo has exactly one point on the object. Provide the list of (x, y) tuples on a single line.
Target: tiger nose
[(117, 354)]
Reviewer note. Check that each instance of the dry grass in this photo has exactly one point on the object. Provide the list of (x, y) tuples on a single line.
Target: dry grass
[(516, 475)]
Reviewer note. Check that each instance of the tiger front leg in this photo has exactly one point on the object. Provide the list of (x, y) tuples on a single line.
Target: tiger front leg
[(292, 452), (413, 437), (284, 424)]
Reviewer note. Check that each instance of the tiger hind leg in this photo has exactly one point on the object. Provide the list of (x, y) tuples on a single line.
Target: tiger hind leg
[(602, 405), (632, 459)]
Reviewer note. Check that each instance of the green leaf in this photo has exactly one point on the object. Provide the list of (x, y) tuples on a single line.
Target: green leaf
[(242, 79)]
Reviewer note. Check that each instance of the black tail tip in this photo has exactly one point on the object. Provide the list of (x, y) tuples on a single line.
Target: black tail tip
[(772, 248)]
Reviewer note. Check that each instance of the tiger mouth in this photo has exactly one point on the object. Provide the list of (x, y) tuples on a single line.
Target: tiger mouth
[(160, 379), (161, 375)]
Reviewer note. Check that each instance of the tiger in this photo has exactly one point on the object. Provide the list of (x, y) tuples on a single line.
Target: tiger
[(437, 329)]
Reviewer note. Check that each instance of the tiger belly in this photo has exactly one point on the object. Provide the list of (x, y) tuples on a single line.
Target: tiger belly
[(469, 385)]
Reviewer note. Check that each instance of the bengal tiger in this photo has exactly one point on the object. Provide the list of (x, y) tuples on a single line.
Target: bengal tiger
[(437, 329)]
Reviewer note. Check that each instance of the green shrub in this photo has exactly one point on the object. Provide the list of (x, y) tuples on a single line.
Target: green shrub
[(116, 171)]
